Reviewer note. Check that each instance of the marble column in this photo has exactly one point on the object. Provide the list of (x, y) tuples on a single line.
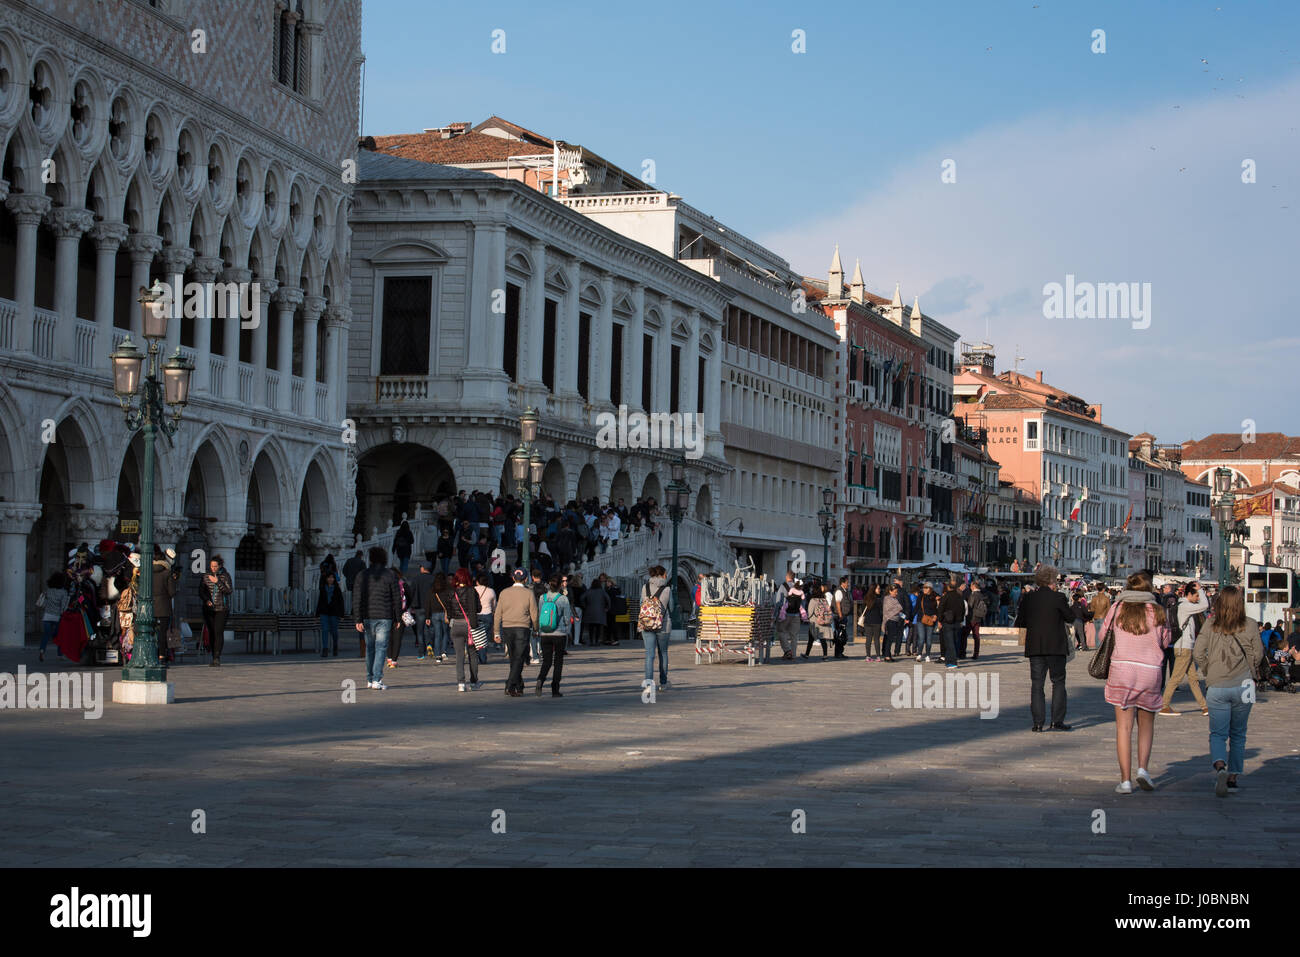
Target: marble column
[(566, 345), (175, 260), (223, 540), (141, 247), (16, 521), (28, 210), (288, 299), (713, 391), (483, 381), (336, 325), (633, 350), (108, 237), (260, 332), (233, 328), (688, 399), (532, 329), (663, 401), (278, 543), (68, 225), (205, 271), (312, 307)]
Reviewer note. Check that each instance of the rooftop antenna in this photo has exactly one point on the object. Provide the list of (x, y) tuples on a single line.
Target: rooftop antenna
[(1019, 358)]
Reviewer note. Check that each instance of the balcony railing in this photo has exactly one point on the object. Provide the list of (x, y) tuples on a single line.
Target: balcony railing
[(245, 384), (400, 388), (296, 389), (272, 381), (322, 402), (8, 312), (84, 346), (43, 341), (217, 375)]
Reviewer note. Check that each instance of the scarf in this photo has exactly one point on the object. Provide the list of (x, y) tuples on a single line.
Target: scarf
[(1140, 597)]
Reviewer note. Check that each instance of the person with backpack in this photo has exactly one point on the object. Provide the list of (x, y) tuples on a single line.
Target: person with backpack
[(977, 601), (513, 622), (1190, 619), (1230, 658), (820, 619), (437, 601), (790, 615), (403, 541), (1168, 600), (655, 627), (553, 614), (403, 623), (378, 605)]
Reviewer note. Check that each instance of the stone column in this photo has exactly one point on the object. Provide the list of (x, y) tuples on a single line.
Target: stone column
[(175, 260), (288, 299), (566, 345), (688, 399), (531, 329), (277, 543), (483, 382), (16, 522), (141, 247), (205, 271), (68, 226), (602, 355), (108, 237), (664, 362), (632, 350), (312, 307), (336, 334), (28, 210), (713, 391), (90, 525), (233, 325), (268, 290)]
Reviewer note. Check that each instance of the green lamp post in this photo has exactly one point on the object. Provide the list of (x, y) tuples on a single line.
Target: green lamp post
[(526, 466), (146, 401), (826, 519), (679, 499)]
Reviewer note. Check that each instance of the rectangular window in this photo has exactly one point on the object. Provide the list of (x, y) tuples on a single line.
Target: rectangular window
[(616, 366), (548, 344), (647, 371), (405, 326), (699, 387), (674, 378), (510, 354), (295, 360), (584, 355)]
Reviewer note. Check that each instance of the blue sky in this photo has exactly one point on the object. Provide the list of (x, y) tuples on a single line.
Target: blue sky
[(1123, 166)]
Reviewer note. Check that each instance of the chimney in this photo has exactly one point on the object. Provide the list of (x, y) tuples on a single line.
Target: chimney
[(857, 291), (896, 307), (1039, 375), (835, 281)]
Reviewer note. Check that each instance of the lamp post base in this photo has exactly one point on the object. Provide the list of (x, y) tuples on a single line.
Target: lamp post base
[(144, 692)]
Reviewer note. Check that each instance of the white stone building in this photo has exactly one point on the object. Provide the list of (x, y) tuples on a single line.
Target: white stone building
[(474, 297), (136, 149)]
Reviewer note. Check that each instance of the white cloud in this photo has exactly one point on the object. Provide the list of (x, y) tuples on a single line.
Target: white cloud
[(1087, 195)]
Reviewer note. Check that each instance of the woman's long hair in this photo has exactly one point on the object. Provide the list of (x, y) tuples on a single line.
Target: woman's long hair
[(1099, 605), (1132, 615), (1229, 610), (871, 597), (462, 578)]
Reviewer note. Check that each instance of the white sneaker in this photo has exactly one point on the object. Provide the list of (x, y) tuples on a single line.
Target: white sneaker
[(460, 687), (1221, 782), (927, 659), (918, 657), (1124, 787), (380, 686), (370, 685), (1144, 780)]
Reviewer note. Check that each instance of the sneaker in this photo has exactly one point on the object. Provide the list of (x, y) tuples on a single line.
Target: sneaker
[(1144, 780), (460, 687), (1169, 711), (1124, 787), (419, 657), (370, 685), (918, 657), (665, 686), (950, 665), (1205, 712), (391, 663), (927, 659), (1232, 785), (475, 686), (380, 686), (1221, 782)]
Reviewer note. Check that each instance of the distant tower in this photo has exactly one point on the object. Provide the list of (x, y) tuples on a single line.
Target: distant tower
[(915, 322), (896, 307), (857, 290), (835, 282)]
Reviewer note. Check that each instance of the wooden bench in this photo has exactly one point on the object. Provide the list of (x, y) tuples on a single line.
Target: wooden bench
[(298, 624), (248, 626)]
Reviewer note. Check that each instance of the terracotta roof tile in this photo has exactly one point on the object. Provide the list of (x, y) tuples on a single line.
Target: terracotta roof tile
[(466, 148), (1227, 446)]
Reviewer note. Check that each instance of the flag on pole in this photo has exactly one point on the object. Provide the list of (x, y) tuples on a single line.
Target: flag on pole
[(1078, 506), (1127, 517)]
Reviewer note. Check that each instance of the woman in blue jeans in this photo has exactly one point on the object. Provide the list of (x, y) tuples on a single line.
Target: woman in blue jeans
[(1227, 653), (436, 620), (657, 641), (329, 605)]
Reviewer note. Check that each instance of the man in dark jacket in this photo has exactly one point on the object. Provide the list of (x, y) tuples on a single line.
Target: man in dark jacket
[(351, 568), (952, 615), (417, 590), (1044, 614), (378, 604)]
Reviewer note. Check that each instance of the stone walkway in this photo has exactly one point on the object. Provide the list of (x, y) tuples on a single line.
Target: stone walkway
[(711, 773)]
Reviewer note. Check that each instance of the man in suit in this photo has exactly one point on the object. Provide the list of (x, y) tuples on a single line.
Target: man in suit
[(1044, 614)]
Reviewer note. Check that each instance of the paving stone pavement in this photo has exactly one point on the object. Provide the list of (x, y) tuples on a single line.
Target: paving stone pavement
[(711, 773)]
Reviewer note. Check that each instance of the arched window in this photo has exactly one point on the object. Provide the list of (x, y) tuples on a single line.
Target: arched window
[(292, 53)]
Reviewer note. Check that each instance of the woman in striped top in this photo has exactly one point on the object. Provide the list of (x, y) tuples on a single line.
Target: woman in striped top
[(1136, 669)]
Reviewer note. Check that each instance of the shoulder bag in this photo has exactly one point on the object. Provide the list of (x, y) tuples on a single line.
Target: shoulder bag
[(476, 634), (1099, 666), (1258, 672)]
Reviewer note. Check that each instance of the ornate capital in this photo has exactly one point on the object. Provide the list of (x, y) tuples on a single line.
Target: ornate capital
[(288, 298), (18, 519), (207, 268), (278, 539), (142, 247), (176, 258), (268, 286), (108, 237), (169, 529), (236, 274), (337, 317), (70, 223), (313, 306), (28, 208), (90, 525), (4, 189)]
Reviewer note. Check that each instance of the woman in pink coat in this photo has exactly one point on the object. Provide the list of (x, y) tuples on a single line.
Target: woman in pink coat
[(1136, 669)]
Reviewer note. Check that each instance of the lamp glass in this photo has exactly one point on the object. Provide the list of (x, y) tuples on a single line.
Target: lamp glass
[(536, 467), (528, 426), (678, 469), (683, 499), (1268, 534), (154, 309), (828, 496), (519, 465), (127, 361), (176, 379)]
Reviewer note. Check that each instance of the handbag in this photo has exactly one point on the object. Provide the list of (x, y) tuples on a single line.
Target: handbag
[(173, 637), (1099, 666), (1070, 652), (1258, 672), (929, 620), (476, 635)]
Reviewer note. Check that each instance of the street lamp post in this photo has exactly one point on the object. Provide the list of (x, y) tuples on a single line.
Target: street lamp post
[(1230, 529), (825, 519), (526, 466), (145, 401), (679, 497), (1268, 545)]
